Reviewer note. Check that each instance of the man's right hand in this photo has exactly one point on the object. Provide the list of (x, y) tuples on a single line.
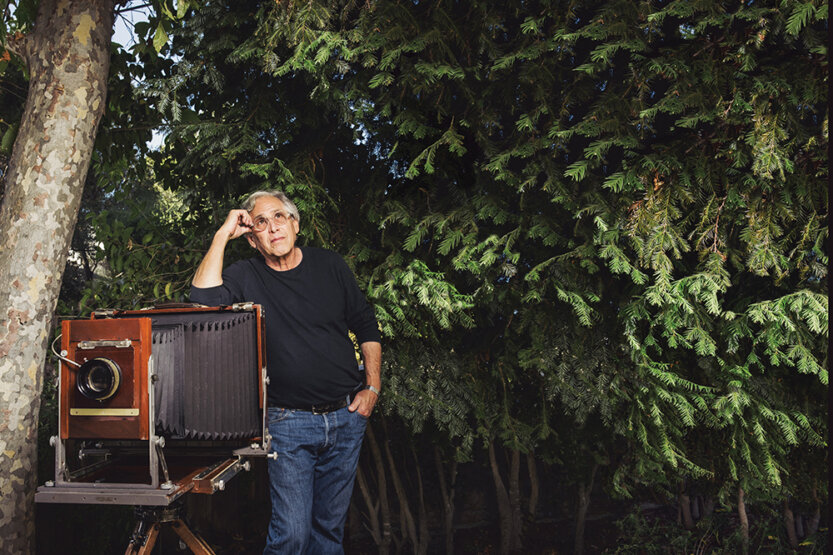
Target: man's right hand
[(210, 271), (238, 222)]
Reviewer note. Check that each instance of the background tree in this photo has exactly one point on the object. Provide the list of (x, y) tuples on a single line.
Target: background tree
[(665, 159)]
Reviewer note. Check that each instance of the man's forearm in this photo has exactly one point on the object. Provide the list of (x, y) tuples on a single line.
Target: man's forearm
[(372, 356), (210, 271), (365, 400)]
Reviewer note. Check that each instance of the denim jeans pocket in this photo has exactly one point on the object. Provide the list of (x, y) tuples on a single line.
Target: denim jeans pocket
[(275, 415)]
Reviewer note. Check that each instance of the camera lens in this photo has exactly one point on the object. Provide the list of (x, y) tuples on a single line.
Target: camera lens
[(99, 378)]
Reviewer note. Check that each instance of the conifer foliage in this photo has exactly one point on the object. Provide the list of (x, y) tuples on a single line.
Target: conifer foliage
[(641, 180)]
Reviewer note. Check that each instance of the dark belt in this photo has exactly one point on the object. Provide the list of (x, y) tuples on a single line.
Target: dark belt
[(324, 408)]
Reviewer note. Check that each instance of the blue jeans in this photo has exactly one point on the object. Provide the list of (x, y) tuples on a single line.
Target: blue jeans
[(311, 481)]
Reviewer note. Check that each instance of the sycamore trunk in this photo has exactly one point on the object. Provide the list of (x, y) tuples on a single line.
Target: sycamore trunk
[(68, 60)]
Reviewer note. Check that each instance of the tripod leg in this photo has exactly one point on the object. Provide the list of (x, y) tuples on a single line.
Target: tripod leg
[(149, 540), (195, 543)]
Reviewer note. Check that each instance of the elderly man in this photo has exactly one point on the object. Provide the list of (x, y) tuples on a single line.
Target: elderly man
[(319, 401)]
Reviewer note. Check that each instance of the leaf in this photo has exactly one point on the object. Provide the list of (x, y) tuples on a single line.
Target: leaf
[(182, 8), (7, 142), (577, 170), (160, 38), (800, 17), (380, 79), (166, 11)]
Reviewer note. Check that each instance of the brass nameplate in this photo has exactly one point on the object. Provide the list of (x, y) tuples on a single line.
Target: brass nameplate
[(104, 412)]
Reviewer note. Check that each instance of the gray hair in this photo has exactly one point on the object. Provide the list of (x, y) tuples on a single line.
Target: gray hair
[(250, 201)]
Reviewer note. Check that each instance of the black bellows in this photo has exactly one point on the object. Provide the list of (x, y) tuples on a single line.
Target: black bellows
[(207, 375)]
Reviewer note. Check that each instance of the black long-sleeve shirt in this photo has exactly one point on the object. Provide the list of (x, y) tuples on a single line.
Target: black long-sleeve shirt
[(308, 311)]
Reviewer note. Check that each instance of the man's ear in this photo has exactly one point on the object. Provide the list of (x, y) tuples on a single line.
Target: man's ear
[(251, 240)]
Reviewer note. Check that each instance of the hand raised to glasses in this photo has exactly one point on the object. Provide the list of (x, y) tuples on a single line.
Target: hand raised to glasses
[(238, 222)]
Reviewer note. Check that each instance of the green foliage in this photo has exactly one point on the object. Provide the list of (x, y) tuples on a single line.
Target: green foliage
[(17, 16), (670, 192)]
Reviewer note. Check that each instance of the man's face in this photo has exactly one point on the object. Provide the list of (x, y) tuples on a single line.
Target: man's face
[(277, 239)]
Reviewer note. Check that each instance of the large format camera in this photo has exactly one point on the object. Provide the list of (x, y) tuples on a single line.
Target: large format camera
[(157, 403)]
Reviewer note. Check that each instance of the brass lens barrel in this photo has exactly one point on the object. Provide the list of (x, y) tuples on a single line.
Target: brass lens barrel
[(99, 379)]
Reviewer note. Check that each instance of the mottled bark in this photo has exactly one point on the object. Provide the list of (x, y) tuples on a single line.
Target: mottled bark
[(68, 56)]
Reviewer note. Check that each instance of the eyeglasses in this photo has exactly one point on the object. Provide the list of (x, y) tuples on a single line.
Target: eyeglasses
[(262, 222)]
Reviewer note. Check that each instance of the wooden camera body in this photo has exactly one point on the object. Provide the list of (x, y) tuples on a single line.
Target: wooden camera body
[(155, 403)]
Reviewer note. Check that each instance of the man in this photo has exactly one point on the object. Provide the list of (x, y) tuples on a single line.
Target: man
[(318, 400)]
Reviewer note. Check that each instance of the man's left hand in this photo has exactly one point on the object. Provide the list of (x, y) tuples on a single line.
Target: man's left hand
[(364, 401)]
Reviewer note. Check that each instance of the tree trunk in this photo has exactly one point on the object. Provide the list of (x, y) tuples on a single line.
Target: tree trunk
[(384, 506), (534, 486), (813, 525), (406, 517), (515, 499), (372, 508), (581, 512), (799, 527), (503, 506), (708, 507), (744, 520), (424, 536), (68, 58), (447, 491), (789, 522), (684, 502), (354, 522)]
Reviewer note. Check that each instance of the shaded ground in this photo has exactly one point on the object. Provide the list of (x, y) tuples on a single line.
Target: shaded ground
[(548, 538), (108, 530), (553, 536)]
